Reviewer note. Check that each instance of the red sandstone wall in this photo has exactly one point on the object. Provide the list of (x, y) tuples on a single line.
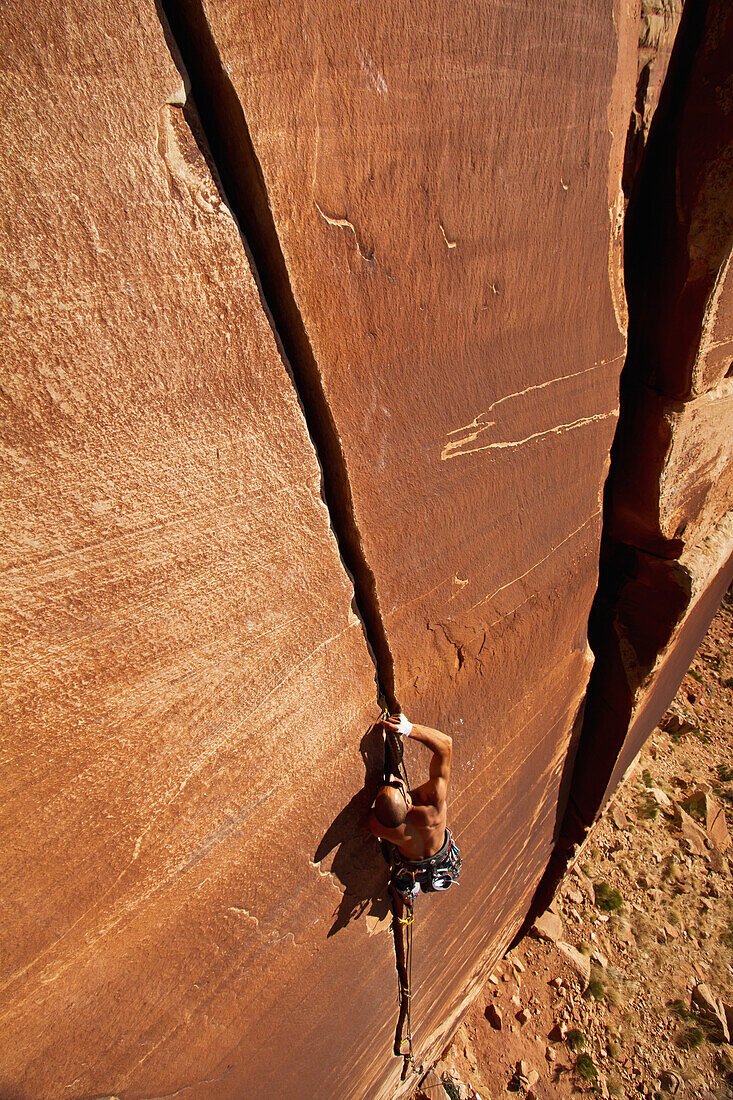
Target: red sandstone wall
[(243, 472), (184, 682), (667, 555)]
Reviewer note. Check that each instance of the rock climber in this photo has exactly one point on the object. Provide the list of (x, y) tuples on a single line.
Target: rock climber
[(424, 856)]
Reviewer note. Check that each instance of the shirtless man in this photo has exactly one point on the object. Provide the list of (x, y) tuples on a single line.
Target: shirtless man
[(414, 821)]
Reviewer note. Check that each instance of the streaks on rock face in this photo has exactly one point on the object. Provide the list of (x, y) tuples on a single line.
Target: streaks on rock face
[(392, 231), (228, 137)]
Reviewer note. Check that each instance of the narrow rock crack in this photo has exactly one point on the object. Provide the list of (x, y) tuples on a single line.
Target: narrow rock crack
[(656, 276), (231, 154)]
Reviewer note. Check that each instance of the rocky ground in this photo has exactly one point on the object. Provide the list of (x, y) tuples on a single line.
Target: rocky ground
[(626, 986)]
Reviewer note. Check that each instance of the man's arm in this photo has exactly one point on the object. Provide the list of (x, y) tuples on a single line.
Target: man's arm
[(441, 746)]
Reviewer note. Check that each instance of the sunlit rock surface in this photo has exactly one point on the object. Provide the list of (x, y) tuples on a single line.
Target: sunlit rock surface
[(244, 472), (184, 683)]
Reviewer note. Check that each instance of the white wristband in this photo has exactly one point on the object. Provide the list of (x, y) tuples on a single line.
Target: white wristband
[(405, 727)]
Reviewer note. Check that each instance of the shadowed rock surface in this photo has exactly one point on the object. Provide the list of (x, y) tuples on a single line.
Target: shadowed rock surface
[(666, 557), (317, 324)]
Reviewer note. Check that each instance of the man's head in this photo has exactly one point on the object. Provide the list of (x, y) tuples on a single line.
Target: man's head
[(392, 804)]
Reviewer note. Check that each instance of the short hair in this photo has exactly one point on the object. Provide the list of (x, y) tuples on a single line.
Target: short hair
[(390, 807)]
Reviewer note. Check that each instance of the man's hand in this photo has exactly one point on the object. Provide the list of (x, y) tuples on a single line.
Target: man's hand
[(398, 724), (441, 746)]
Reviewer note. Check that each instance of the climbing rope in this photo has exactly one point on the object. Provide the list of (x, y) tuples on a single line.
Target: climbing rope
[(404, 954), (393, 745), (394, 752), (436, 875), (409, 1061)]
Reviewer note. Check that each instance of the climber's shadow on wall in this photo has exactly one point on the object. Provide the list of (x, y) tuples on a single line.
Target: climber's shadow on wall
[(358, 863)]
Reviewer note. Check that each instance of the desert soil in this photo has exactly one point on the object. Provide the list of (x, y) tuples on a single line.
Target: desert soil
[(647, 912)]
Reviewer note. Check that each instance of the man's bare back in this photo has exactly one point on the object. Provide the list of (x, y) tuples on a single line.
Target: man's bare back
[(423, 831)]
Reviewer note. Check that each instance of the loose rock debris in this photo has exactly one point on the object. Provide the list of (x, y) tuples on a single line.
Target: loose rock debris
[(648, 908)]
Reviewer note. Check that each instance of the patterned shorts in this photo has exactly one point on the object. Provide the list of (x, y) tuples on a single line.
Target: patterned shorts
[(440, 871)]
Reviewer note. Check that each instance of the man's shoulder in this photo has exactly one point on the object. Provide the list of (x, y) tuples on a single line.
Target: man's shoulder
[(430, 796), (384, 832), (427, 816)]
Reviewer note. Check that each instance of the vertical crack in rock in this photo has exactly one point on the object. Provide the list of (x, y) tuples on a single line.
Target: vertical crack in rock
[(645, 602), (240, 176), (656, 264), (657, 30)]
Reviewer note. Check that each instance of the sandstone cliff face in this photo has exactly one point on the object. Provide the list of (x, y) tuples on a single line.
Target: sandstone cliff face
[(666, 557), (317, 322), (176, 612), (422, 196)]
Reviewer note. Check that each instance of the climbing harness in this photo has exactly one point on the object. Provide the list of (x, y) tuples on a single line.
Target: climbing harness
[(437, 872)]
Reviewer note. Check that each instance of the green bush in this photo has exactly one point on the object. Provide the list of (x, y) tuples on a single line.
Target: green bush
[(679, 1009), (690, 1038), (647, 808), (575, 1040), (608, 899), (586, 1067), (595, 989)]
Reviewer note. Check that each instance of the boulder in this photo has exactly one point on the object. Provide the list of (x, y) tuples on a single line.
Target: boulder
[(579, 962), (703, 999), (713, 815), (548, 926), (728, 1010), (661, 798), (585, 884), (692, 834), (678, 727), (670, 1082)]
